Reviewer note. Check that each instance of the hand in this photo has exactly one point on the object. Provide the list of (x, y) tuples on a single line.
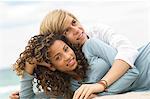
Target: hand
[(30, 67), (85, 90), (14, 95), (92, 96), (45, 64)]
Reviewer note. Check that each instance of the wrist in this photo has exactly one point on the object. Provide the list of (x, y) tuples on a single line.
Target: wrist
[(104, 84), (29, 68)]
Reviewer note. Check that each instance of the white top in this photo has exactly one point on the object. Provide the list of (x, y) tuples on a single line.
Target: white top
[(126, 51)]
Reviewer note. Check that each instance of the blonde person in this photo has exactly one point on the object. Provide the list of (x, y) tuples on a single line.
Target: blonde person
[(70, 71), (63, 22)]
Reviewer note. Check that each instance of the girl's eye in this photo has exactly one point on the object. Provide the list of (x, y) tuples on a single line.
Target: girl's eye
[(66, 48), (57, 58)]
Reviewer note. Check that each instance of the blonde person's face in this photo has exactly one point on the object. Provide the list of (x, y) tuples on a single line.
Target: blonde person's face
[(62, 57), (74, 32)]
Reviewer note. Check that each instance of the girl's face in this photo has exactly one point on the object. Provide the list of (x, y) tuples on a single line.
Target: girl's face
[(62, 57), (74, 32)]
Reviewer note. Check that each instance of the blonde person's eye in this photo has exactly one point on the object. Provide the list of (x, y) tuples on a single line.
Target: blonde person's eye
[(66, 31), (74, 22)]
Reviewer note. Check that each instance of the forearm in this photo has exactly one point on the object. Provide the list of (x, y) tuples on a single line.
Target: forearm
[(118, 69)]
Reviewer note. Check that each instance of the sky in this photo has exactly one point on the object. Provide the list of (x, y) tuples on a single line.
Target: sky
[(19, 20)]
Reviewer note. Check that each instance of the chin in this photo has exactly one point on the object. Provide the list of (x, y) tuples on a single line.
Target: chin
[(74, 67)]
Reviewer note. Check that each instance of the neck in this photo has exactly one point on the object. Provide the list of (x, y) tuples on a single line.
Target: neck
[(77, 77), (74, 75), (82, 43)]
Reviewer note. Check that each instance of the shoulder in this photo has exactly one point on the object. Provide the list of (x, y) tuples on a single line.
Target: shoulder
[(94, 27), (90, 42), (97, 28), (92, 45), (88, 46)]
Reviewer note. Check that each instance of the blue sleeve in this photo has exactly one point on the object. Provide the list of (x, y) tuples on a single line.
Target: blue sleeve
[(26, 90), (100, 49), (106, 52)]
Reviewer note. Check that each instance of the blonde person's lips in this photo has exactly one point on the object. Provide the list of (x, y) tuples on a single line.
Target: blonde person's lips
[(80, 36)]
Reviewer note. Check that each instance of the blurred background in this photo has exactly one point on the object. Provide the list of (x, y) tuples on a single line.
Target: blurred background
[(19, 20)]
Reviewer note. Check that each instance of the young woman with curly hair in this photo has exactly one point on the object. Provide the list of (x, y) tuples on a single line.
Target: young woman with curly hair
[(55, 80)]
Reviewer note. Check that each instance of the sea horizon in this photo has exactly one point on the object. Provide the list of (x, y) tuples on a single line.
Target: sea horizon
[(9, 82)]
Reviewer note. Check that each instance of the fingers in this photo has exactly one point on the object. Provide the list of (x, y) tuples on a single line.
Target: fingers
[(29, 68), (44, 64), (92, 96), (49, 66), (14, 95), (78, 92), (87, 94), (85, 90), (82, 92)]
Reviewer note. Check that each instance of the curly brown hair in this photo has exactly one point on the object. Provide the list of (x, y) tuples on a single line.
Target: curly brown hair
[(53, 82)]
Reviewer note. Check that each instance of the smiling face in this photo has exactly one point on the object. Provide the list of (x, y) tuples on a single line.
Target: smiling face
[(62, 57), (74, 32), (63, 22)]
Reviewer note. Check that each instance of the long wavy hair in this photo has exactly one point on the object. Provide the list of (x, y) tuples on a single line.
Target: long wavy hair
[(53, 82)]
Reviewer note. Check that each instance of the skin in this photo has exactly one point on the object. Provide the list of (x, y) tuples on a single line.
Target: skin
[(14, 95), (74, 32), (62, 57)]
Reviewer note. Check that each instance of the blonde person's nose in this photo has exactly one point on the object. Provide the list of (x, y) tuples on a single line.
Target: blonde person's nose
[(75, 30)]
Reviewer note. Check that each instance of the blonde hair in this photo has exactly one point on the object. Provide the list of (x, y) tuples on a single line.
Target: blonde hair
[(54, 22)]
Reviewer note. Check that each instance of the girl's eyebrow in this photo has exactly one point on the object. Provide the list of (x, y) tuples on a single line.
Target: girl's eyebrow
[(57, 54)]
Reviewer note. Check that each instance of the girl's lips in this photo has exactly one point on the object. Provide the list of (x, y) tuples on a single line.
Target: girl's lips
[(71, 62)]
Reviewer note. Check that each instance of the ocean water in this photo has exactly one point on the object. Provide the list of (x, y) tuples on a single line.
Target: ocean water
[(9, 82)]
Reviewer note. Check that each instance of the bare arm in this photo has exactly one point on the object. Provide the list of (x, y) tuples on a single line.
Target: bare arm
[(126, 52), (118, 69)]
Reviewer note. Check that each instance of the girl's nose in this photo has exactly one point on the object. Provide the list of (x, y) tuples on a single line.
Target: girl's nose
[(67, 56)]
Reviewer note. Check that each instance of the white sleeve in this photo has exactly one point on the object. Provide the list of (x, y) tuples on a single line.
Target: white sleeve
[(126, 51)]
